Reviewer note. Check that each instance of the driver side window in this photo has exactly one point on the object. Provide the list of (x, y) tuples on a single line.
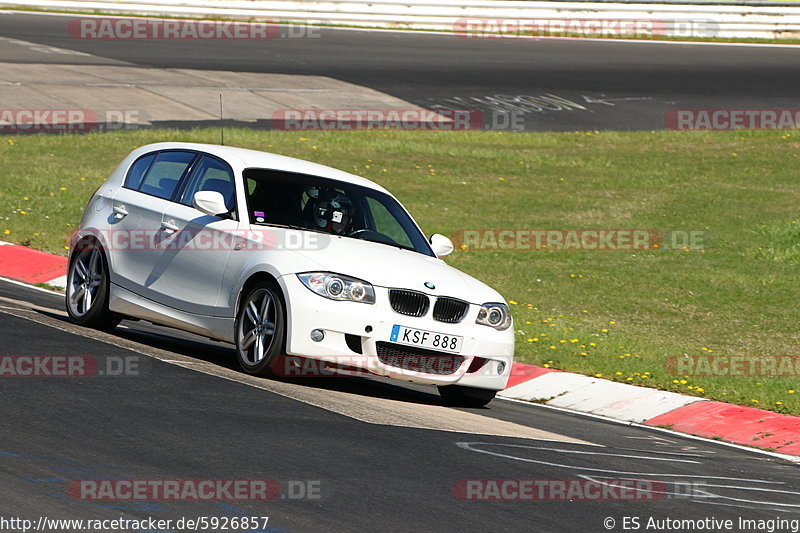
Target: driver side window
[(211, 174), (386, 223)]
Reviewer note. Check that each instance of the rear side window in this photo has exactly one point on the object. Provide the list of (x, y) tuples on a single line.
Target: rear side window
[(211, 174), (134, 178), (165, 173)]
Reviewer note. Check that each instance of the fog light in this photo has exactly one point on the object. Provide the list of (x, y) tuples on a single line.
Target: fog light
[(317, 335), (501, 366)]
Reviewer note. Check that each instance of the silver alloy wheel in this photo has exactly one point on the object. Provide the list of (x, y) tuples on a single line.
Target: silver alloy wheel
[(257, 327), (85, 279)]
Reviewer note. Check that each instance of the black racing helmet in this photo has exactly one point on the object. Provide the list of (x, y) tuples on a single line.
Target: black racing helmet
[(330, 209)]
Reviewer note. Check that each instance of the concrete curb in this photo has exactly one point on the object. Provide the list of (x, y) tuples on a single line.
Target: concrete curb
[(652, 407), (25, 264), (620, 401)]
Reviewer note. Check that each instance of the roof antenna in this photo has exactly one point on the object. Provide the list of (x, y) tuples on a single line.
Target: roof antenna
[(221, 125)]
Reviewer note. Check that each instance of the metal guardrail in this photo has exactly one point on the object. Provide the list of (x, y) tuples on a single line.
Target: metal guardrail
[(480, 18)]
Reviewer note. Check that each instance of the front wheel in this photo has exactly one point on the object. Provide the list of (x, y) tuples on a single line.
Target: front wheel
[(260, 327), (87, 289), (460, 396)]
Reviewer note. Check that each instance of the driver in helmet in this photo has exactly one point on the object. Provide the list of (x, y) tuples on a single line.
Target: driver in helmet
[(330, 210)]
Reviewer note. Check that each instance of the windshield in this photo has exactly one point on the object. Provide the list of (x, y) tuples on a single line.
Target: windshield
[(279, 198)]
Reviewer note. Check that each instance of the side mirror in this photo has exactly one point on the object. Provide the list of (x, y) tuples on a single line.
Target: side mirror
[(441, 245), (210, 203)]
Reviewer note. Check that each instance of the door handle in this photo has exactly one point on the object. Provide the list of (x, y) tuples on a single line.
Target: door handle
[(120, 211), (169, 226)]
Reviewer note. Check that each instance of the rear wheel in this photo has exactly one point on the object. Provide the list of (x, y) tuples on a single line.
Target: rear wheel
[(460, 396), (260, 327), (87, 288)]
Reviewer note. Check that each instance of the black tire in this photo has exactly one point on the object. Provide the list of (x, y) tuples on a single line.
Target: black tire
[(460, 396), (252, 328), (88, 277)]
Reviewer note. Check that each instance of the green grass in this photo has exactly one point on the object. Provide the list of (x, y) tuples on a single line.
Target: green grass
[(737, 296)]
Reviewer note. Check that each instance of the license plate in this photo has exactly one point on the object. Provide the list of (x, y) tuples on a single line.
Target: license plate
[(426, 339)]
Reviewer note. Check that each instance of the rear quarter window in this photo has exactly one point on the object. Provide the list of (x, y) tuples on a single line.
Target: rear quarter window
[(137, 171), (164, 174)]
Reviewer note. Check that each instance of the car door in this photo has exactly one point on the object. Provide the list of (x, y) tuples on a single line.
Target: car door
[(135, 225), (191, 267)]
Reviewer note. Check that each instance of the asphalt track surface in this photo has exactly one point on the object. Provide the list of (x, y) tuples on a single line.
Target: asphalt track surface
[(621, 86), (382, 455), (166, 421)]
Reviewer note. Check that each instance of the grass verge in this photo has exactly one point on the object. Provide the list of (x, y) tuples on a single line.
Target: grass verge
[(621, 315)]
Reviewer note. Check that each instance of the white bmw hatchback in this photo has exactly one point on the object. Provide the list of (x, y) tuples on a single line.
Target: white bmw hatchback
[(291, 262)]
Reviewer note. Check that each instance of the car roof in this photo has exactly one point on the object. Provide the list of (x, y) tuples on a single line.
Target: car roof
[(256, 159)]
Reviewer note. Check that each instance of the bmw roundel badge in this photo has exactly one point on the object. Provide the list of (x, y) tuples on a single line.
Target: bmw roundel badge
[(430, 285)]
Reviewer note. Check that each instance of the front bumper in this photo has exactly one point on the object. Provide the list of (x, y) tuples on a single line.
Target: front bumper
[(353, 326)]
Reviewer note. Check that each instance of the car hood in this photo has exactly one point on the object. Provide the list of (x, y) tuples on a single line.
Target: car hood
[(389, 266)]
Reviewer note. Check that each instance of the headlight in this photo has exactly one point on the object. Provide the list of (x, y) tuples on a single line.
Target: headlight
[(495, 315), (337, 287)]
